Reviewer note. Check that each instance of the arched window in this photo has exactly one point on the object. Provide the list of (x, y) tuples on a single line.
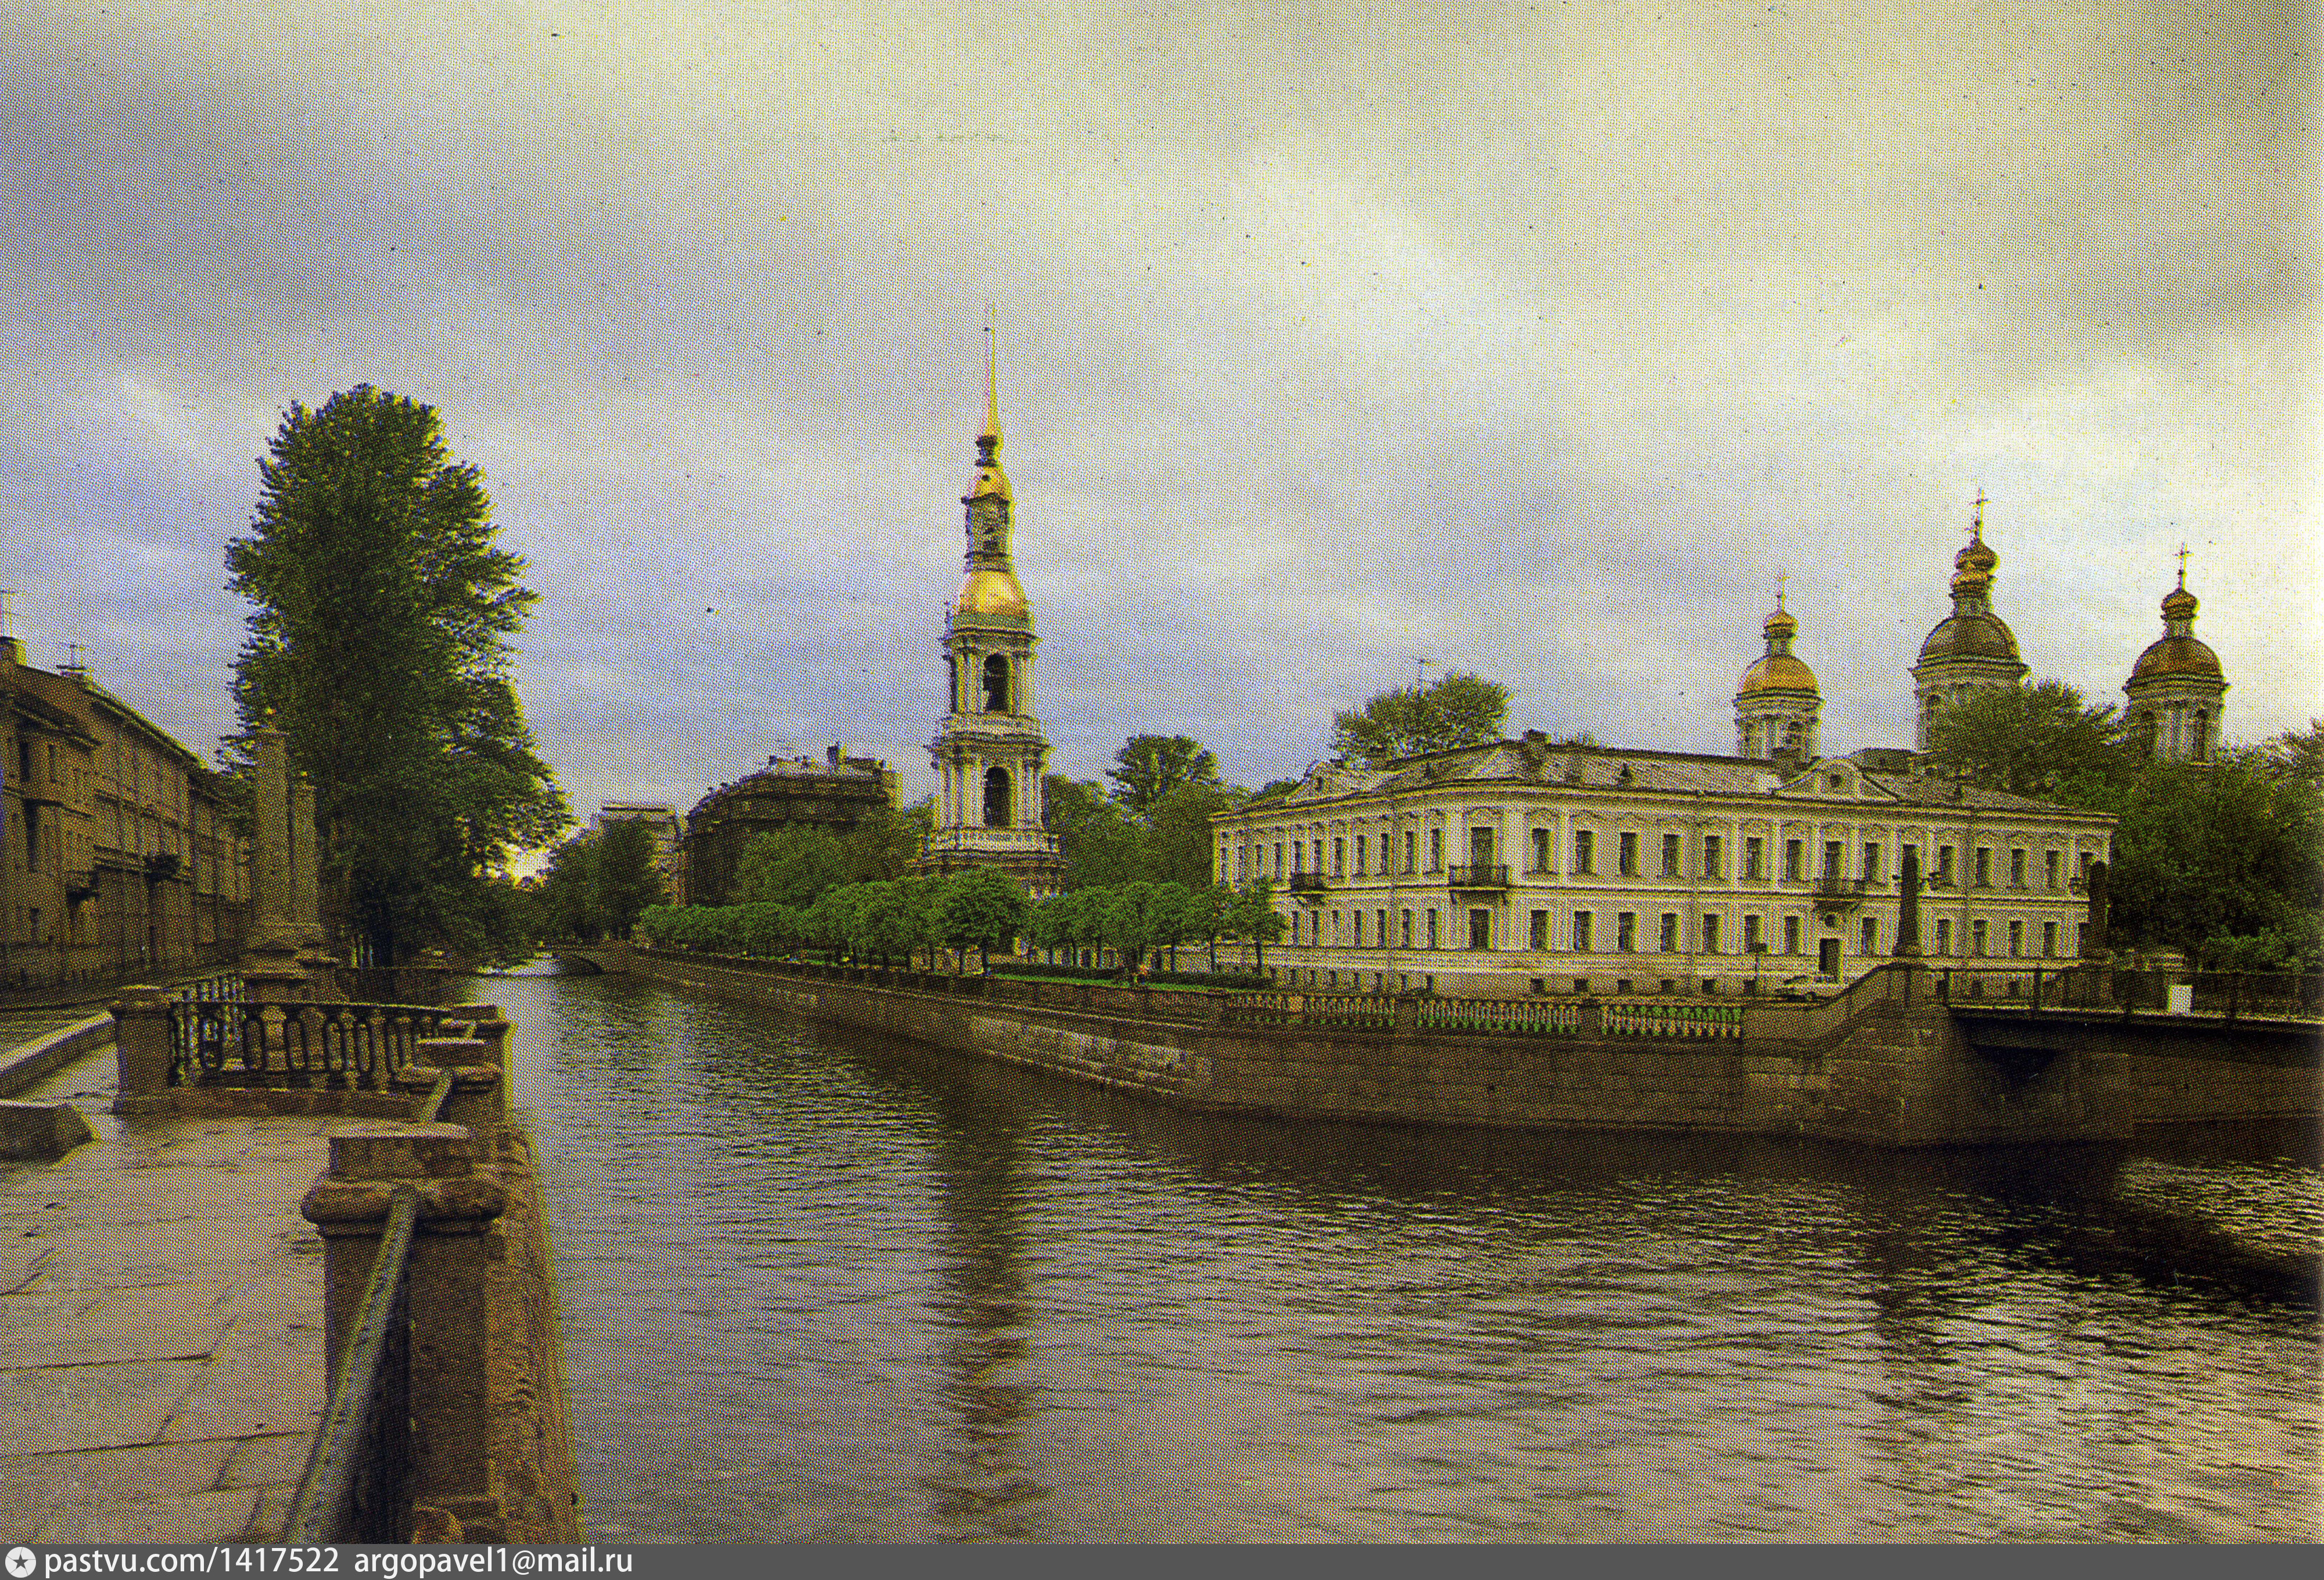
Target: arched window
[(996, 797), (951, 685), (996, 684), (2199, 737)]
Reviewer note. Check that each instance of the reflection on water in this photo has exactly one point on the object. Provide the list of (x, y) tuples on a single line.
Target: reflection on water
[(817, 1286)]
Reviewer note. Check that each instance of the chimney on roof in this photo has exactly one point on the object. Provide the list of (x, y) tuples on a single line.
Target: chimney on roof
[(832, 757)]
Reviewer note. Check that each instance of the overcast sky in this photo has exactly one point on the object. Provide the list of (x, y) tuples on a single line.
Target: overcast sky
[(1531, 339)]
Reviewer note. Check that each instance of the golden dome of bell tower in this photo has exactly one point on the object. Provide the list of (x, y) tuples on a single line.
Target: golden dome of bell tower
[(1970, 650), (1777, 707), (2177, 690), (989, 752)]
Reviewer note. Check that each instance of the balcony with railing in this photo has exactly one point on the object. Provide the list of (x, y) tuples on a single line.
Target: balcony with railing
[(1308, 882), (1830, 889), (1478, 876)]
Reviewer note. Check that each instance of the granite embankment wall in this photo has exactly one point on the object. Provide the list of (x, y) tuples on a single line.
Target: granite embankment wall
[(1883, 1064)]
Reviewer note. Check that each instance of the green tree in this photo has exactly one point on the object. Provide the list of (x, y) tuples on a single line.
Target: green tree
[(567, 901), (1179, 842), (627, 882), (984, 907), (2038, 741), (1461, 709), (1256, 919), (2222, 860), (1150, 767), (378, 642), (791, 866), (886, 841), (1101, 846)]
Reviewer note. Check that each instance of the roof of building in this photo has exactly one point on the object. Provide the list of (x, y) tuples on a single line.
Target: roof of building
[(992, 592), (1969, 635), (2175, 655), (1604, 768)]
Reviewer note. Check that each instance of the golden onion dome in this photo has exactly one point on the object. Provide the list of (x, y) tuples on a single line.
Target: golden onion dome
[(2175, 655), (1780, 624), (2179, 604), (1982, 636), (994, 593), (1776, 672), (1977, 557)]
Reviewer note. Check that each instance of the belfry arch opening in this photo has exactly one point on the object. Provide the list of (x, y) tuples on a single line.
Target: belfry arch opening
[(996, 797), (996, 683)]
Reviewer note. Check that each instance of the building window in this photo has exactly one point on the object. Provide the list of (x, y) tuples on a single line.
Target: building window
[(1626, 932), (1338, 857), (1584, 859), (1360, 856), (1319, 858), (1335, 928), (1541, 850), (1298, 856), (2050, 940), (2016, 939), (1870, 942), (996, 684), (2017, 868), (1670, 855), (1944, 873), (1710, 935), (1626, 855), (1753, 928), (1434, 941), (1977, 938), (1755, 851), (1278, 859), (1408, 929), (1436, 850), (1790, 935), (1872, 863), (1669, 939), (1357, 917), (1834, 853), (1582, 932), (1537, 931), (1481, 928), (1908, 856), (2050, 871), (1407, 850), (1984, 868), (1714, 855), (1791, 861), (1945, 936)]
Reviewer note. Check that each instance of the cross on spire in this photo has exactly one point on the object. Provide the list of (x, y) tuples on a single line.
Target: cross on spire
[(1976, 517), (1781, 577), (2182, 565)]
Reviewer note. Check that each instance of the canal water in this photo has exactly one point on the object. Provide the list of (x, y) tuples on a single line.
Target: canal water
[(817, 1286)]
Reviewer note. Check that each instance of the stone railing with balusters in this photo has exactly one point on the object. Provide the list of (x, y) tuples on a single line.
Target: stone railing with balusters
[(1650, 1019)]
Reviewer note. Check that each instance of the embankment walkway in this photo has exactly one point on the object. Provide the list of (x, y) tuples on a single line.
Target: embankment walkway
[(161, 1323)]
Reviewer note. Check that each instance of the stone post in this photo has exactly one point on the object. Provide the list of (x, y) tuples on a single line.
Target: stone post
[(1592, 1021), (1908, 906), (305, 863), (479, 1096), (271, 855), (450, 1299), (1408, 1012), (140, 1050)]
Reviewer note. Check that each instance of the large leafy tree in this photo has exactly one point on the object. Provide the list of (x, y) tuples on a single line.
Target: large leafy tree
[(792, 866), (2038, 741), (1100, 844), (379, 643), (1461, 709), (2224, 860), (1150, 767), (627, 882)]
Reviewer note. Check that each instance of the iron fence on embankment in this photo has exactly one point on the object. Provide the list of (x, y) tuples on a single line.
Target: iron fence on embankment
[(2229, 995), (329, 1045)]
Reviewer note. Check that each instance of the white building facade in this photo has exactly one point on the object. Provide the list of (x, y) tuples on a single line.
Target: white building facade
[(1523, 867)]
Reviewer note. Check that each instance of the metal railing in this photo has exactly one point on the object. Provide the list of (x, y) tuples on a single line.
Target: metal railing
[(223, 1042), (1478, 877), (1307, 883), (357, 1486), (2229, 995)]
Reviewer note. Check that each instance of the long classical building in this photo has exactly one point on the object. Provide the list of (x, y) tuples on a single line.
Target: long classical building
[(122, 856), (1531, 866)]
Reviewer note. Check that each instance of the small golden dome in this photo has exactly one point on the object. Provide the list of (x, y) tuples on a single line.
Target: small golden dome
[(2179, 604), (1977, 557), (2175, 655), (1780, 624), (989, 480), (1776, 672), (995, 593)]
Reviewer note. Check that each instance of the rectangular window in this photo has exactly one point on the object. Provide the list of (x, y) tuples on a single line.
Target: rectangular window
[(1872, 863), (1790, 935), (1357, 917), (1945, 936), (1380, 918), (1481, 928), (1584, 858), (2017, 868), (1537, 933), (1338, 857), (1626, 855), (1753, 928), (1278, 860), (1710, 935), (1669, 937), (1626, 932), (1977, 938), (1436, 850), (1408, 929), (1670, 855), (1754, 856), (1407, 857), (1335, 927), (1984, 868), (1434, 941), (1582, 932), (1870, 943), (2016, 939), (2050, 871), (1791, 861), (1909, 855), (1833, 854), (1714, 855), (2050, 940), (1298, 855), (1944, 873), (1319, 858), (1541, 850)]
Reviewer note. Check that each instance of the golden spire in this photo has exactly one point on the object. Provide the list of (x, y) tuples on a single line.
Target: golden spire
[(992, 434)]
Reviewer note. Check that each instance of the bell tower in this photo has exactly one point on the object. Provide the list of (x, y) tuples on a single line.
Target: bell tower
[(1777, 706), (989, 753), (2177, 690)]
